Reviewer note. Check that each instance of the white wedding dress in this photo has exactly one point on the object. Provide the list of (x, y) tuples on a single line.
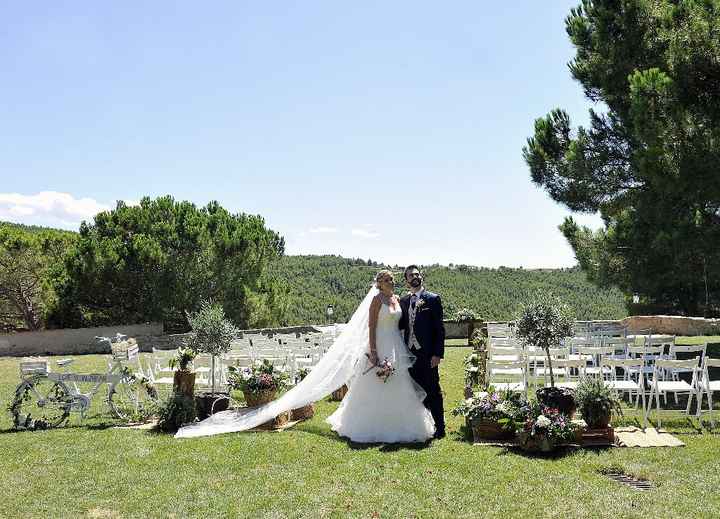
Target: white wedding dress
[(374, 411)]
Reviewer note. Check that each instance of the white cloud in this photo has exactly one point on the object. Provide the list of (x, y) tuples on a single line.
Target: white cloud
[(48, 208), (362, 233), (323, 230)]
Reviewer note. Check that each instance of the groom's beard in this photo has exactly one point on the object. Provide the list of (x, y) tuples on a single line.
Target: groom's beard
[(416, 283)]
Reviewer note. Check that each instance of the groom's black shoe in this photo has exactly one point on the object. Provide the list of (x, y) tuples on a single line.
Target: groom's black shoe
[(440, 433)]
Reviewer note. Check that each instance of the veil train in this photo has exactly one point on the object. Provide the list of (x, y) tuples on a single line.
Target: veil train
[(340, 364)]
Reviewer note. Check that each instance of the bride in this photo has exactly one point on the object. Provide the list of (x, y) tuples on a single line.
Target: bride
[(375, 409), (391, 410)]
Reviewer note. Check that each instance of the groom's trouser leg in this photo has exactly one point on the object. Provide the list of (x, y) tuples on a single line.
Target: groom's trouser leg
[(429, 379), (434, 400)]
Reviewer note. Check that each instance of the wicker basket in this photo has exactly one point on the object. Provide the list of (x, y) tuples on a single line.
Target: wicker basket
[(339, 394), (303, 413), (537, 443), (254, 399), (276, 423), (489, 430)]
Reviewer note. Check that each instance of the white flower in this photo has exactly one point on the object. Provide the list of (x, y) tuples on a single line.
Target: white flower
[(543, 421), (504, 407)]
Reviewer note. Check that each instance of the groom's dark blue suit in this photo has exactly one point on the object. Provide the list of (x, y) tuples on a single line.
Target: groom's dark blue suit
[(430, 334)]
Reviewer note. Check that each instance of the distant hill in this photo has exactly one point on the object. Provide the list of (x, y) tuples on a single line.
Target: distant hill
[(314, 282), (33, 228), (494, 294)]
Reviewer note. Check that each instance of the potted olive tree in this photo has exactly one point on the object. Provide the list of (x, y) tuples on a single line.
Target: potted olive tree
[(212, 333), (543, 323)]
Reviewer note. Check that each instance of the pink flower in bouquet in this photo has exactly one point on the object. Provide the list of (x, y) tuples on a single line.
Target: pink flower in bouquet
[(385, 370)]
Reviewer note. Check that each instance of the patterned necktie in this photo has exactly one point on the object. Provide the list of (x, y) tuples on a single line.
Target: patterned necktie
[(413, 342)]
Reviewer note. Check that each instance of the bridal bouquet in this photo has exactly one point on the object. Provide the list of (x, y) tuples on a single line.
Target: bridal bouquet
[(385, 369)]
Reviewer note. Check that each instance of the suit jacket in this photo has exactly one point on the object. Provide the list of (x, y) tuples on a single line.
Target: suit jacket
[(429, 328)]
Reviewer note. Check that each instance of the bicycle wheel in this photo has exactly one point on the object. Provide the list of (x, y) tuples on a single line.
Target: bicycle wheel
[(40, 403), (132, 399)]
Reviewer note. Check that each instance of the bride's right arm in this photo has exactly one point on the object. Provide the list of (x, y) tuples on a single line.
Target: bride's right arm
[(372, 323)]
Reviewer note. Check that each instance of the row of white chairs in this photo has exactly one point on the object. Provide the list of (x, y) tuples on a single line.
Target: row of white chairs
[(288, 352), (625, 375)]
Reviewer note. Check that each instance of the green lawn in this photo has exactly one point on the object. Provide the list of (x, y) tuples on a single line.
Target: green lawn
[(94, 470)]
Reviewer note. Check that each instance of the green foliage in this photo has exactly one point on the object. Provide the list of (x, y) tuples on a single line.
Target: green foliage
[(160, 259), (506, 408), (261, 377), (649, 163), (179, 409), (182, 359), (465, 314), (27, 257), (596, 400), (474, 369), (313, 282), (212, 332), (544, 322)]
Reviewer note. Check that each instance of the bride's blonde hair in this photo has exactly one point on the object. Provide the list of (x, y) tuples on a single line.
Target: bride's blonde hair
[(382, 276)]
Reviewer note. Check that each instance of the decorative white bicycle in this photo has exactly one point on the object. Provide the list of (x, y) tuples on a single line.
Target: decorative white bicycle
[(44, 398)]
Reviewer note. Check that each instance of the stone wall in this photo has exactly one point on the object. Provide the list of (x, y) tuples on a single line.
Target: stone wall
[(80, 341), (74, 341), (671, 325)]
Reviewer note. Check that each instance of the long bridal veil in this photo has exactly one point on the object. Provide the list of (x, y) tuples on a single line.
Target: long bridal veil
[(340, 364)]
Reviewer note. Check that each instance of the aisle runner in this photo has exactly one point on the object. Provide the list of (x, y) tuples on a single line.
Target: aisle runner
[(635, 437)]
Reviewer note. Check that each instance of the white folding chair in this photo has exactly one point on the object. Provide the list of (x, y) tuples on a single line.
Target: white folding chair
[(570, 371), (508, 375), (594, 355), (160, 372), (625, 384), (708, 386), (658, 386), (558, 353), (619, 346)]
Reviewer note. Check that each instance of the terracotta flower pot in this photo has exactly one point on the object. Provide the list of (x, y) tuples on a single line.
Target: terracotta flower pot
[(184, 383)]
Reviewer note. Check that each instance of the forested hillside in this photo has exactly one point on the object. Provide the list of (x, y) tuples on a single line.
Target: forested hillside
[(313, 282)]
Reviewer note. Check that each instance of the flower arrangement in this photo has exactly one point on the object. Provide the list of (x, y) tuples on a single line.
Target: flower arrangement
[(490, 414), (544, 428), (260, 378), (472, 369), (491, 405), (596, 402), (385, 370), (465, 314)]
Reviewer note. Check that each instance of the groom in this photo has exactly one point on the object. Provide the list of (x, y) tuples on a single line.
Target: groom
[(422, 321)]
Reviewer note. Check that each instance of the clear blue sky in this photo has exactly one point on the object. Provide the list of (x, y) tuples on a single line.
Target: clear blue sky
[(383, 130)]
